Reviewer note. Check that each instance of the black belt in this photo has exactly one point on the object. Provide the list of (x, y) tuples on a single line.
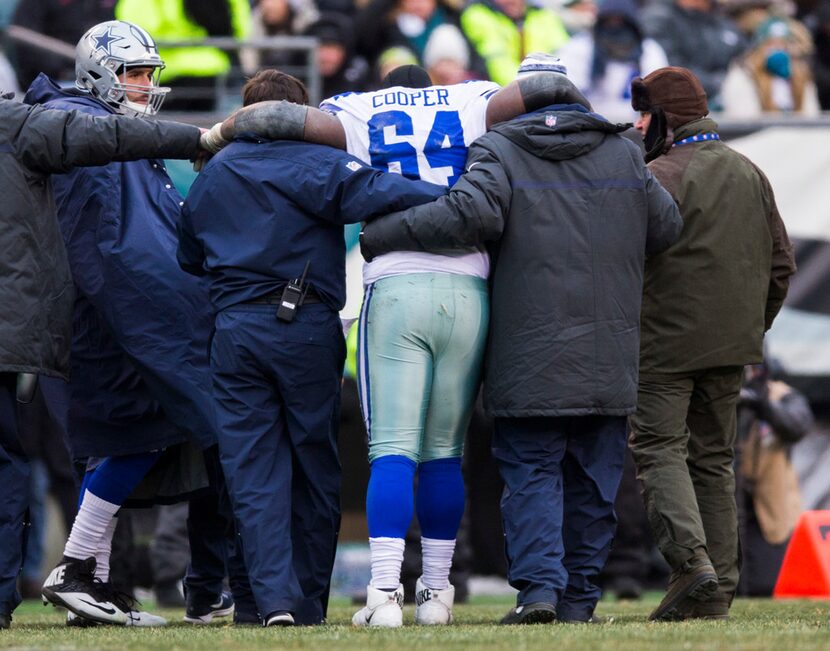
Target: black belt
[(274, 297)]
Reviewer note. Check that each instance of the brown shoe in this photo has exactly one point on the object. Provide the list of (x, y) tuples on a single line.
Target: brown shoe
[(697, 584), (717, 607)]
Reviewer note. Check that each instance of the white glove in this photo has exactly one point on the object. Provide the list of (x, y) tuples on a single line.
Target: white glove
[(212, 139)]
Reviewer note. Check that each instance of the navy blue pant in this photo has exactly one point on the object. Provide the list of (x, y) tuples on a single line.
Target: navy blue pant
[(216, 548), (561, 477), (277, 395), (14, 495)]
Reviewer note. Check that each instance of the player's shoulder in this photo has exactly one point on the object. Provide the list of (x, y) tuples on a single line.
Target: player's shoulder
[(475, 88), (344, 101), (400, 96)]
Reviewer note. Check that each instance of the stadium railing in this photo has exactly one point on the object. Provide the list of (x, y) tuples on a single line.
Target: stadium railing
[(225, 89)]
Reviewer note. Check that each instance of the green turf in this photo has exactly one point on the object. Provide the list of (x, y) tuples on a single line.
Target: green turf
[(755, 625)]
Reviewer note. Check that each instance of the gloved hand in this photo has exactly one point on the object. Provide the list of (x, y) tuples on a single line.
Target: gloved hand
[(203, 156), (364, 248), (212, 139)]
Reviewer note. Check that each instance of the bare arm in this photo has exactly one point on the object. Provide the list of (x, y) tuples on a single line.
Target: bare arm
[(530, 93), (283, 120)]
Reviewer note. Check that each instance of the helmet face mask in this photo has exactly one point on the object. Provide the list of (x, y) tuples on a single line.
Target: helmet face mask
[(105, 53)]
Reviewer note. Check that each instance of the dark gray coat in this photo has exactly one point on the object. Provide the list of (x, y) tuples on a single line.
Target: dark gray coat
[(574, 211), (36, 293)]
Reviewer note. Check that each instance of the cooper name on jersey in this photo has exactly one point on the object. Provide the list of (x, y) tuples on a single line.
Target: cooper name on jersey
[(424, 97)]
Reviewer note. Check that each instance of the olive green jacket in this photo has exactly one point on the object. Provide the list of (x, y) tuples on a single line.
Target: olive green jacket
[(709, 298)]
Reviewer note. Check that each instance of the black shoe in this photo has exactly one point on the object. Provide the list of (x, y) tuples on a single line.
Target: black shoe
[(535, 613), (72, 585), (279, 618), (197, 614), (717, 607), (243, 619), (5, 620), (686, 587), (169, 595)]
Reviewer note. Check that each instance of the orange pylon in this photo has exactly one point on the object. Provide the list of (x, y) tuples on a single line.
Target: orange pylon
[(805, 571)]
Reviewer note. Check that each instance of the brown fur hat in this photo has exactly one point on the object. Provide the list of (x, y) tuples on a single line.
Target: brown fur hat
[(676, 90)]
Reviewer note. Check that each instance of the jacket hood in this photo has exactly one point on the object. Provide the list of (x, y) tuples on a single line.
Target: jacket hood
[(558, 132), (43, 90)]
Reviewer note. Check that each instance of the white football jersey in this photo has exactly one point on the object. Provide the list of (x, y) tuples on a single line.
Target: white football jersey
[(423, 134)]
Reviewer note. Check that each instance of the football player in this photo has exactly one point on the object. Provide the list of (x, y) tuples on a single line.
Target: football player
[(139, 382), (423, 324)]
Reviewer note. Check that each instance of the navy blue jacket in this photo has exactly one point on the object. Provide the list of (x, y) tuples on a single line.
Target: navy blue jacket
[(260, 210), (139, 361)]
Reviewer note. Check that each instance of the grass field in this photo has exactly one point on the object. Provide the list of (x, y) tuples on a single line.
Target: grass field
[(755, 625)]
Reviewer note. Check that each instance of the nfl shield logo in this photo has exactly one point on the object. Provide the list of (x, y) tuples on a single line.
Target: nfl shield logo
[(550, 120), (353, 165)]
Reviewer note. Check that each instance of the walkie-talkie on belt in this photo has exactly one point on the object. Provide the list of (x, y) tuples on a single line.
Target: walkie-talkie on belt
[(292, 296)]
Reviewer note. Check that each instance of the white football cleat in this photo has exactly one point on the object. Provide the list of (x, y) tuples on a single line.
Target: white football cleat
[(140, 618), (433, 606), (134, 618), (72, 585), (382, 608), (77, 621)]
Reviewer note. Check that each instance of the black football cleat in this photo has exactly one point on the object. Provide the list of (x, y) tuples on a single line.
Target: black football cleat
[(72, 585)]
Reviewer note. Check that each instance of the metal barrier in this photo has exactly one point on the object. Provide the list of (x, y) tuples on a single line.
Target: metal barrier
[(225, 90), (40, 41)]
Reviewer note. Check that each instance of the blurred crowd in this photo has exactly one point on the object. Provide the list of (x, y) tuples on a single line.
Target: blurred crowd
[(754, 56)]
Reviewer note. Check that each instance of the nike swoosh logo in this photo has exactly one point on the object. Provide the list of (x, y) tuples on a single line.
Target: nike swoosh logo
[(472, 165), (108, 611)]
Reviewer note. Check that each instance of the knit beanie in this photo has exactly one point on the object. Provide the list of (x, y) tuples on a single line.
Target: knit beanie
[(446, 42), (541, 62), (675, 90)]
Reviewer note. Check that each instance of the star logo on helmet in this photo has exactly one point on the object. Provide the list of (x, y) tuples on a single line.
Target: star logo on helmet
[(104, 40)]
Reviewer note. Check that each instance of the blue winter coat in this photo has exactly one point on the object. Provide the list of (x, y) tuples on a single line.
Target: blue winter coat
[(261, 210), (140, 376)]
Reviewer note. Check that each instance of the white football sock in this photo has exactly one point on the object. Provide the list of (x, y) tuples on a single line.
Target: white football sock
[(90, 526), (102, 556), (436, 557), (387, 558)]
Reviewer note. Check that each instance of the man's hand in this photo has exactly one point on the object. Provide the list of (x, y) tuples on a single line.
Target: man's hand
[(364, 249), (203, 156), (212, 139)]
